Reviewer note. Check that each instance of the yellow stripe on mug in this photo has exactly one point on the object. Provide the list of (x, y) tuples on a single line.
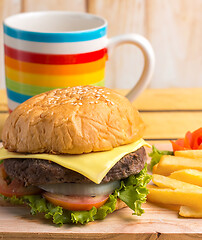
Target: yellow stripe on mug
[(56, 80), (47, 69)]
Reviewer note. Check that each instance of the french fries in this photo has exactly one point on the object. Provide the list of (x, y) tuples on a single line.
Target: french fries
[(181, 197), (189, 176), (186, 211), (166, 182), (169, 164), (178, 181), (189, 154)]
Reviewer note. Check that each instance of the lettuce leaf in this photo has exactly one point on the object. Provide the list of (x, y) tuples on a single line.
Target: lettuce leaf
[(132, 191), (156, 156)]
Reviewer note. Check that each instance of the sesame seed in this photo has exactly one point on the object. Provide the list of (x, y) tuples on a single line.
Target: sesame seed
[(80, 103)]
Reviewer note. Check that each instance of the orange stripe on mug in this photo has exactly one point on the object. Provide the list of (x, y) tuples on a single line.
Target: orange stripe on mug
[(56, 80), (47, 69)]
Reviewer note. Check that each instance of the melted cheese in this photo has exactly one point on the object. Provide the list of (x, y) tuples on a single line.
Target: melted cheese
[(92, 165)]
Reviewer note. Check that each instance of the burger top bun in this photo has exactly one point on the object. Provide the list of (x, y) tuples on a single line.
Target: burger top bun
[(73, 120)]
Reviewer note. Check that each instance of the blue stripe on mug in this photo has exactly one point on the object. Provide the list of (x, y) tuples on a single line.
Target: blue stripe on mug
[(56, 37), (17, 97)]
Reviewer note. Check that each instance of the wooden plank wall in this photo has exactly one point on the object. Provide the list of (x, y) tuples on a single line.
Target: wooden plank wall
[(172, 26)]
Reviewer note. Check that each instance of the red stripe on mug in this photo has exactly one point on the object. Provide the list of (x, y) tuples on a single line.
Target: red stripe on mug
[(54, 58)]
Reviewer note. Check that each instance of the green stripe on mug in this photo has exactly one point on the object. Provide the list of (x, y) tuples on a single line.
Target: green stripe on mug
[(31, 90), (26, 89)]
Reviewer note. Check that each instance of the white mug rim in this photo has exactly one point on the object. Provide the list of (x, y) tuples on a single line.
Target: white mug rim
[(6, 21)]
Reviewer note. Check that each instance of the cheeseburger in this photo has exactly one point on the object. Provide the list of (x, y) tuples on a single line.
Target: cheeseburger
[(75, 155)]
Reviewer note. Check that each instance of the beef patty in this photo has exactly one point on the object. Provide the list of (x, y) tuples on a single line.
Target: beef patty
[(37, 171)]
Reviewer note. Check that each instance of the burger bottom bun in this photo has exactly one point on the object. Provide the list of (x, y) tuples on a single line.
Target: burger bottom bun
[(120, 204)]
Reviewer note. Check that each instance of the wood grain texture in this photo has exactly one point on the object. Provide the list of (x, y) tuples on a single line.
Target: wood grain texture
[(174, 29), (3, 109), (170, 125), (156, 223), (126, 63), (3, 100), (3, 117), (169, 99), (64, 5)]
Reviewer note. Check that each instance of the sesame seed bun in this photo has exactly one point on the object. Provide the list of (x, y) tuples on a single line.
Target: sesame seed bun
[(73, 120)]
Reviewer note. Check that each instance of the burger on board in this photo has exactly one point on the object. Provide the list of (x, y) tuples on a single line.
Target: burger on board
[(75, 155)]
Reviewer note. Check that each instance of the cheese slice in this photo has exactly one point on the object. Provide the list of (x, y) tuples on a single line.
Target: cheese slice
[(93, 165)]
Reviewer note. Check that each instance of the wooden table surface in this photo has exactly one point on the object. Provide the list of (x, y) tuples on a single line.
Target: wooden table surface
[(168, 114)]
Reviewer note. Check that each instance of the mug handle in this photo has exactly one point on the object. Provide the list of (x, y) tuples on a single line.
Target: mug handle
[(149, 59)]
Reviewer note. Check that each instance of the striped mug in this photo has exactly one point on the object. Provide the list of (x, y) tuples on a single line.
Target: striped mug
[(54, 49)]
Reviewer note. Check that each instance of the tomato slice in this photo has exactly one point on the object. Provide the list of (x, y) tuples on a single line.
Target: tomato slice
[(10, 188), (197, 139), (191, 141), (75, 203), (188, 140)]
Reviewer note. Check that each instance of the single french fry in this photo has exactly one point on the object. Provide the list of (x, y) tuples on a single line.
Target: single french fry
[(169, 164), (189, 153), (181, 197), (189, 176), (159, 170), (166, 182), (169, 206), (173, 207), (186, 211)]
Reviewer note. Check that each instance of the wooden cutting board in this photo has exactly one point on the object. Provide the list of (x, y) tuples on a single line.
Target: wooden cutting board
[(156, 223)]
